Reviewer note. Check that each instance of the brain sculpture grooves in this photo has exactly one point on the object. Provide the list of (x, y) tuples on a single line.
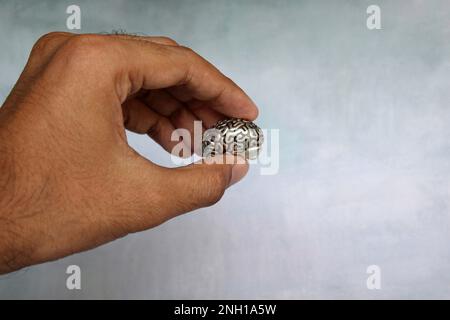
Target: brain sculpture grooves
[(234, 136)]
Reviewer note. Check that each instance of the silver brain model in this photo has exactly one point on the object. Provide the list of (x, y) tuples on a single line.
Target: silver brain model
[(234, 136)]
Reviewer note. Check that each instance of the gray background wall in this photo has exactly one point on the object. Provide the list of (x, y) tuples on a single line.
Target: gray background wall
[(364, 175)]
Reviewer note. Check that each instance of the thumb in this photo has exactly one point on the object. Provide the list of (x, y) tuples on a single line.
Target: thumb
[(200, 184)]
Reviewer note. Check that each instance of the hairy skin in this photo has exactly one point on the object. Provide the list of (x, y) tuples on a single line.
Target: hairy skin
[(69, 181)]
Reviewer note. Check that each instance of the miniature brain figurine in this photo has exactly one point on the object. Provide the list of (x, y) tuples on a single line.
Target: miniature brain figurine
[(234, 136)]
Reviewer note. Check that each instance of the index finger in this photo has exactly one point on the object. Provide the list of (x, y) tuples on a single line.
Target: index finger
[(156, 66)]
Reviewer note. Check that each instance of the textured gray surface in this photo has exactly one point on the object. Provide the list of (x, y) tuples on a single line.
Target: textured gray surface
[(364, 176)]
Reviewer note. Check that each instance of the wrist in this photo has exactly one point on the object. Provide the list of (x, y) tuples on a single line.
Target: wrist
[(13, 254)]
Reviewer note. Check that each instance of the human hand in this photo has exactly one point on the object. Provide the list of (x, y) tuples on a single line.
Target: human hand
[(69, 181)]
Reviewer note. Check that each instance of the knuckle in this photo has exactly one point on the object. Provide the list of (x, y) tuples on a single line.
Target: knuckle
[(46, 38), (83, 42), (45, 42), (216, 186), (86, 48), (203, 69), (169, 40), (187, 51)]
